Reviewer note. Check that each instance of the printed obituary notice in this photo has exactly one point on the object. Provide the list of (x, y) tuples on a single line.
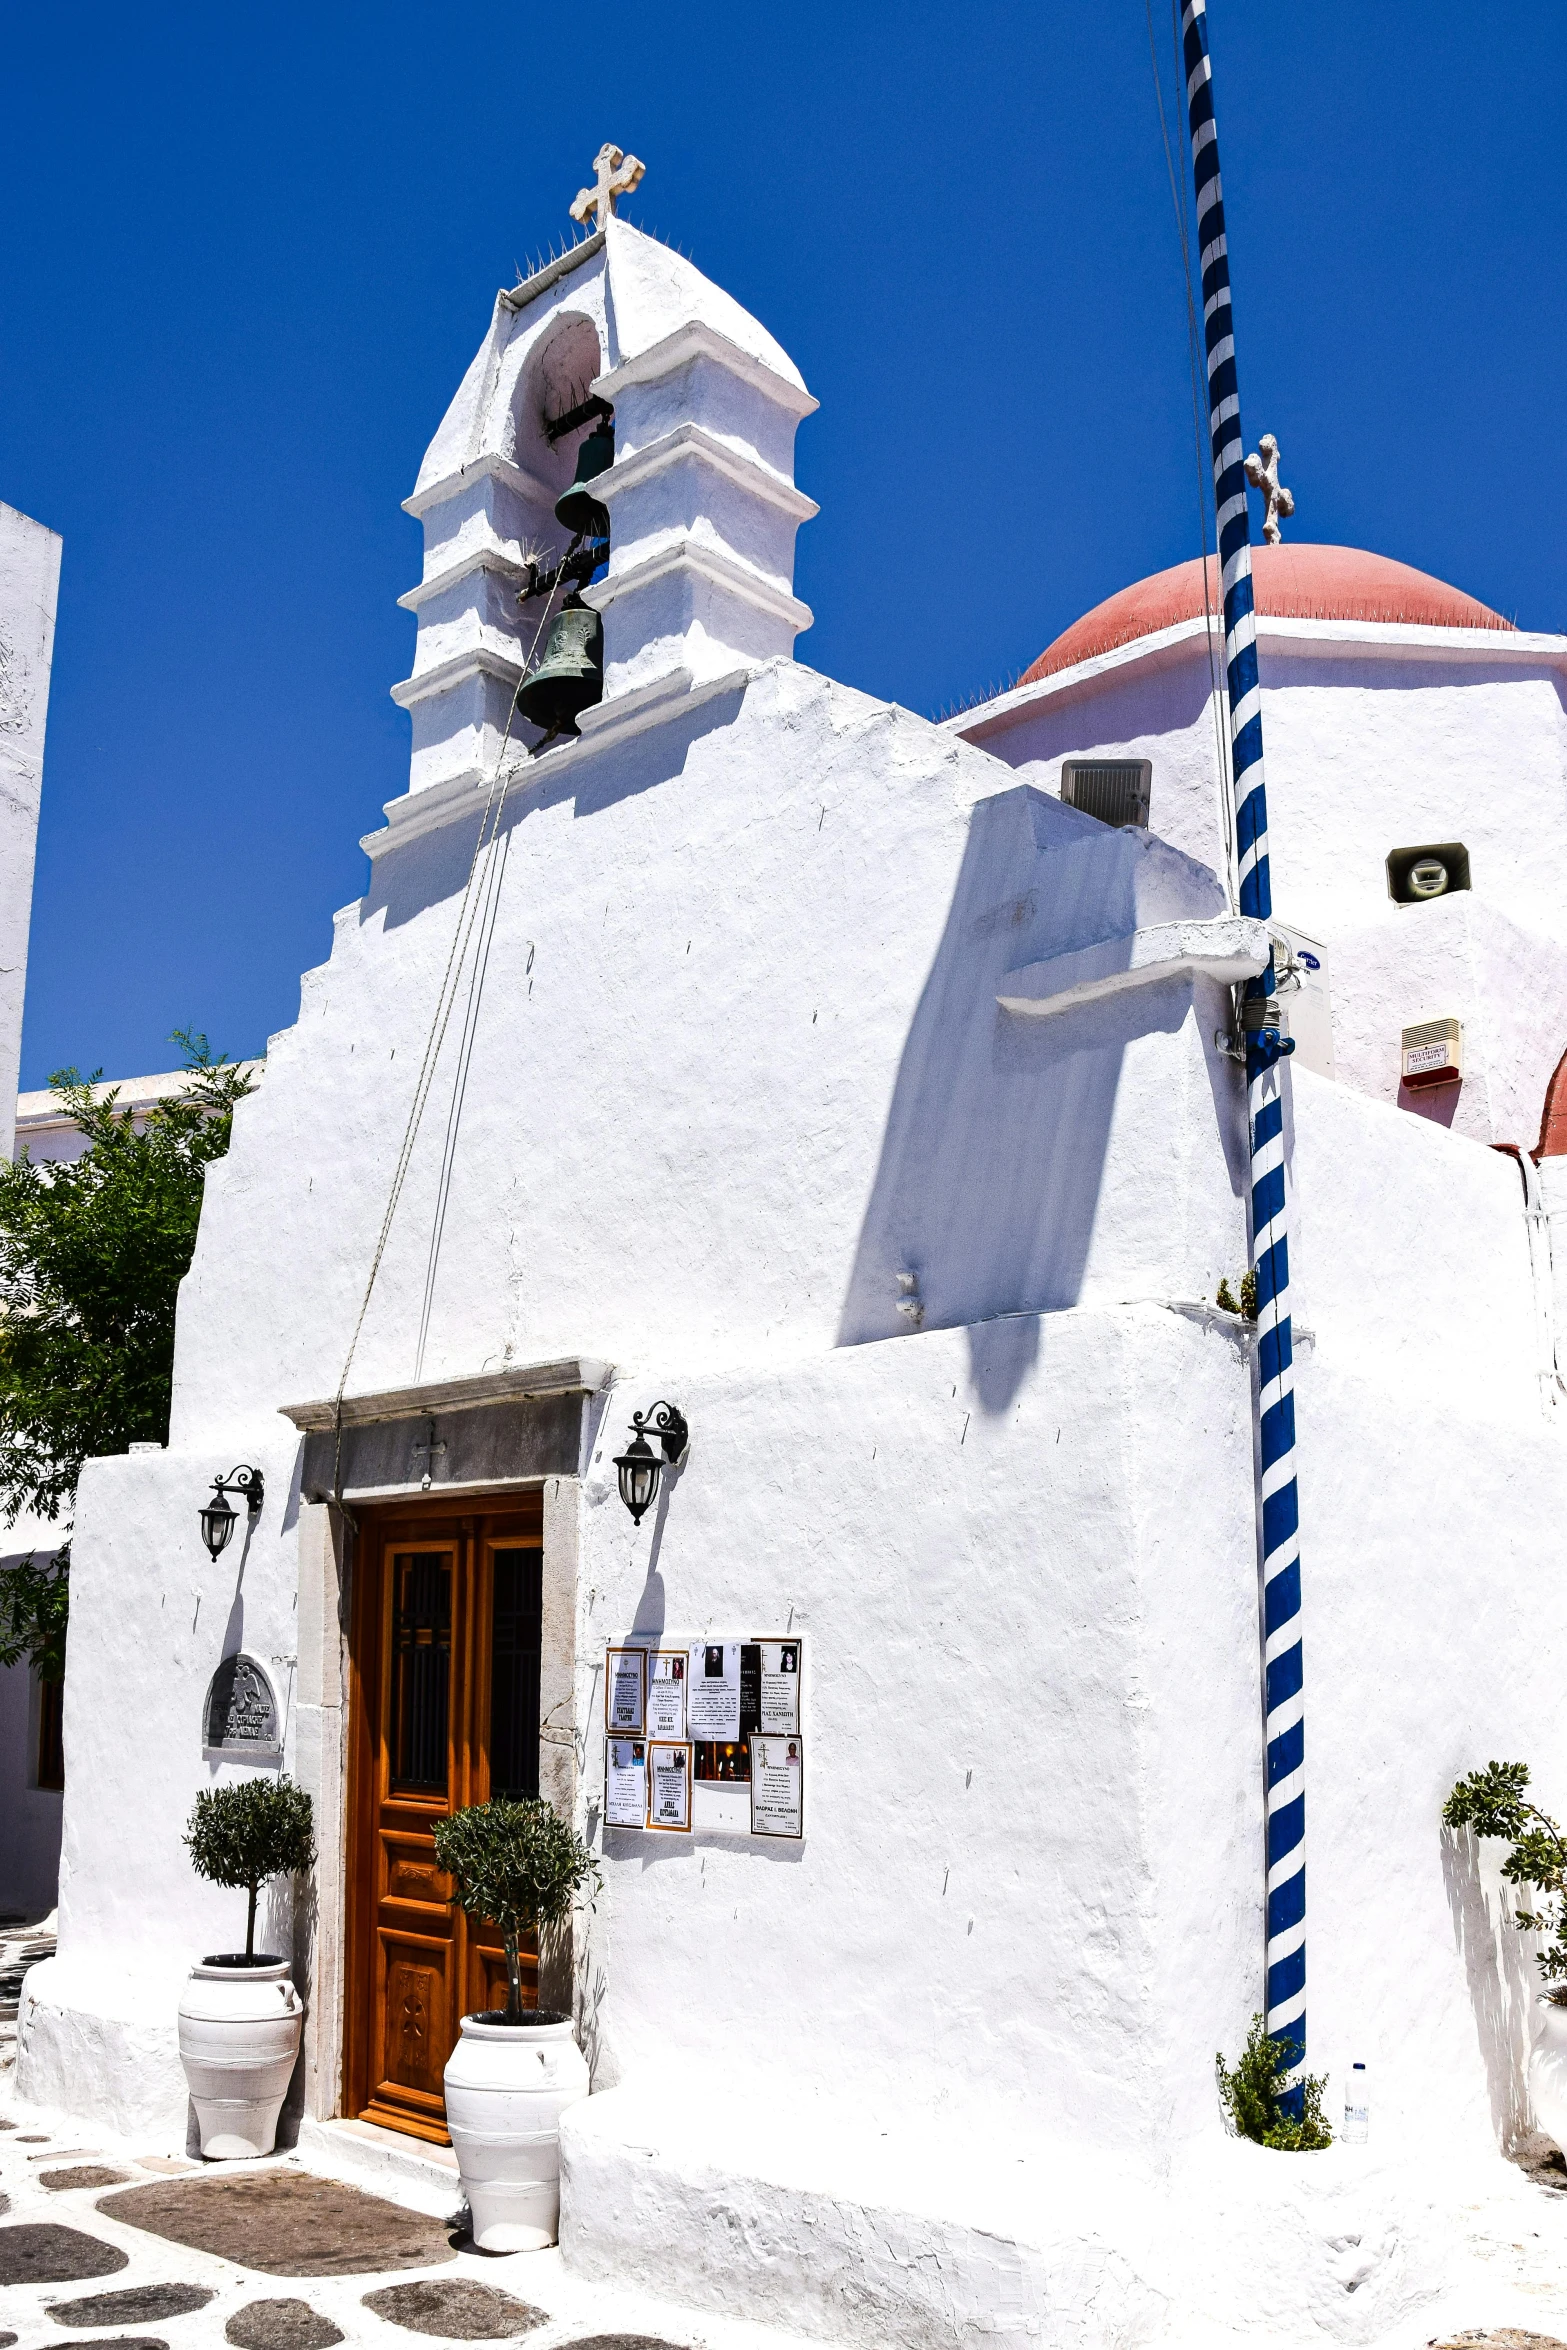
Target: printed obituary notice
[(666, 1693), (624, 1670), (713, 1691), (669, 1783), (777, 1772), (778, 1705), (625, 1783)]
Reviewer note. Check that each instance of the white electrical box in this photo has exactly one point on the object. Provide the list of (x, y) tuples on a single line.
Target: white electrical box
[(1432, 1053), (1300, 969)]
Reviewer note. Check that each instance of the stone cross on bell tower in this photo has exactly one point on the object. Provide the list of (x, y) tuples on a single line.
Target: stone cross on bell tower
[(1262, 471), (617, 175)]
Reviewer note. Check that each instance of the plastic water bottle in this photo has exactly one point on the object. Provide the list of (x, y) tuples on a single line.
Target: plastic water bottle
[(1357, 2109)]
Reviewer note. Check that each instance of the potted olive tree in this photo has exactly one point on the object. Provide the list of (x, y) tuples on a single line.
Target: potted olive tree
[(240, 2016), (517, 1866), (1492, 1802)]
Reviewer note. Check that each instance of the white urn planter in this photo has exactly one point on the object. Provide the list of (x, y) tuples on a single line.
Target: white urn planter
[(507, 2086), (1548, 2072), (240, 2025)]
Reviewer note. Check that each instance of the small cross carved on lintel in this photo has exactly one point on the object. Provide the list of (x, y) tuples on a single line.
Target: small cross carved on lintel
[(432, 1452), (615, 175)]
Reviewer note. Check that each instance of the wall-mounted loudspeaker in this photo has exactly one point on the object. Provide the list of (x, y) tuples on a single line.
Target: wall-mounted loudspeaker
[(1117, 791), (1434, 870), (1432, 1053)]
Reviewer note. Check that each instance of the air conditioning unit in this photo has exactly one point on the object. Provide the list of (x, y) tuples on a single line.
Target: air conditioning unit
[(1433, 1053), (1117, 791)]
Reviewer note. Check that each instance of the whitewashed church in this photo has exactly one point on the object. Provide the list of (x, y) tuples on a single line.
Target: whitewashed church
[(720, 1038)]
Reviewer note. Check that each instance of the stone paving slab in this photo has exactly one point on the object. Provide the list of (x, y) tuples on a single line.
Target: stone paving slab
[(114, 2342), (132, 2305), (456, 2310), (39, 2253), (280, 2325), (286, 2223), (1500, 2338)]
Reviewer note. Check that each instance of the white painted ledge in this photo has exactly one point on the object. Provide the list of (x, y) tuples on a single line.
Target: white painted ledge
[(690, 440), (674, 695), (519, 1383), (714, 563), (1232, 947), (695, 339)]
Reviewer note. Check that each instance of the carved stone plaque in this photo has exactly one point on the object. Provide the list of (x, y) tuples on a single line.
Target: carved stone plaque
[(241, 1710)]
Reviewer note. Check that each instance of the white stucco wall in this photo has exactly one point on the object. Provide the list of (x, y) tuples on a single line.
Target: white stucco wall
[(1377, 737), (742, 1065)]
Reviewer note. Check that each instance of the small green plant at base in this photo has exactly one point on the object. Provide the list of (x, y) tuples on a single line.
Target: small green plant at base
[(518, 1866), (1225, 1301), (1247, 1305), (1492, 1802), (1252, 2091), (244, 1834)]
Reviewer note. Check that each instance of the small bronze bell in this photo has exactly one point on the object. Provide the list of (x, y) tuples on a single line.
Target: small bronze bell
[(576, 509), (570, 678)]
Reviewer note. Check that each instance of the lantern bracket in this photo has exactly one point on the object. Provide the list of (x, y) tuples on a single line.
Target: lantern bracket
[(245, 1480), (669, 1425)]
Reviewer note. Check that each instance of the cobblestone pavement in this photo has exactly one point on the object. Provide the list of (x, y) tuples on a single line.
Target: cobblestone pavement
[(74, 2273), (21, 1946)]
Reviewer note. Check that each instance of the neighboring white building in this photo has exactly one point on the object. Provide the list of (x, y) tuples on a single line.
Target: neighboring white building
[(31, 1764), (814, 1068), (29, 588)]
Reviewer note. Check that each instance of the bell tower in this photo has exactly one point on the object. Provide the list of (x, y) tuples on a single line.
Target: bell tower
[(702, 502), (617, 387)]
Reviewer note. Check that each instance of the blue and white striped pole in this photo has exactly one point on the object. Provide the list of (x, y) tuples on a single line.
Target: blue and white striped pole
[(1283, 1693)]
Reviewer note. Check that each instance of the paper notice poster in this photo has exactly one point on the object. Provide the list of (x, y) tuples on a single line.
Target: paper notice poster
[(669, 1784), (713, 1690), (666, 1693), (624, 1669), (777, 1776), (625, 1783), (779, 1704)]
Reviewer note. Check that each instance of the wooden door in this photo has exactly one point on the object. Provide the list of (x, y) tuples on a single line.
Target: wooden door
[(444, 1698)]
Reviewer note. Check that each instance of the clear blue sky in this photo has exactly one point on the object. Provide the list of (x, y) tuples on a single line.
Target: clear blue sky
[(249, 254)]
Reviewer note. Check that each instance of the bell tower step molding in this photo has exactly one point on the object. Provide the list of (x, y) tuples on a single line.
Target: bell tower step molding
[(673, 694)]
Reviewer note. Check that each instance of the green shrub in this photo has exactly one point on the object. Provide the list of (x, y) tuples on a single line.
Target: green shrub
[(1252, 2094), (518, 1866), (1492, 1803), (243, 1834)]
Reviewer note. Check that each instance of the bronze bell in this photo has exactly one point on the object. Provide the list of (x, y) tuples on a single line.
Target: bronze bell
[(570, 678), (576, 509)]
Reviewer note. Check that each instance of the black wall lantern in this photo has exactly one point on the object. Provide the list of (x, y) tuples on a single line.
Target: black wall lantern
[(217, 1519), (639, 1465)]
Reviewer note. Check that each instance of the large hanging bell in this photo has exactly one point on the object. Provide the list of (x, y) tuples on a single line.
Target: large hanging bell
[(576, 508), (570, 678)]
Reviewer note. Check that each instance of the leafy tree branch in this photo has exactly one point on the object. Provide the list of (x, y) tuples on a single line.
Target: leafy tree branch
[(92, 1253)]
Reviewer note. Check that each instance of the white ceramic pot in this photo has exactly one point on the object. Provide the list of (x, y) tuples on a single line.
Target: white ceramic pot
[(1548, 2071), (507, 2086), (239, 2037)]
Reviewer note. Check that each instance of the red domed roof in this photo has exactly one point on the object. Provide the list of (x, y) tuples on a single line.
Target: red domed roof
[(1292, 582)]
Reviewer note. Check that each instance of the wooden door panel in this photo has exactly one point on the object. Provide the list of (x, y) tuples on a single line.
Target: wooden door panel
[(410, 1875), (444, 1666), (417, 1998)]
